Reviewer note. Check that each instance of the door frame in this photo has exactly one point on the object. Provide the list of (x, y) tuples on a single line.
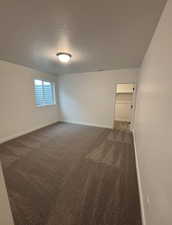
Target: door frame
[(133, 103)]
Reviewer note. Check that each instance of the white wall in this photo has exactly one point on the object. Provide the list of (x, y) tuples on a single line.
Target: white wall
[(153, 129), (18, 113), (89, 98), (5, 211)]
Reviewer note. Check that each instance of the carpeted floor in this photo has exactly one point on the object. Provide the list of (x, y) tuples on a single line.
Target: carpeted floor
[(121, 125), (69, 174)]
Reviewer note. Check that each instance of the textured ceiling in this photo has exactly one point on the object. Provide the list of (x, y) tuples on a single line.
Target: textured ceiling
[(100, 34)]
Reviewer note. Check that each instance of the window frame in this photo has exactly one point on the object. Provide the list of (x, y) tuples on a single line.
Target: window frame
[(53, 89)]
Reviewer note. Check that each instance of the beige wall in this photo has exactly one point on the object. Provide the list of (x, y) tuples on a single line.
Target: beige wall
[(153, 130), (18, 113), (88, 98)]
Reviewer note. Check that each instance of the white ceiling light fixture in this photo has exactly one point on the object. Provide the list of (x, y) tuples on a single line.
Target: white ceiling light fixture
[(64, 57)]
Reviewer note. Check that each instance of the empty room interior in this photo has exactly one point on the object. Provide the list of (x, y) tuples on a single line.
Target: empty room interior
[(85, 107)]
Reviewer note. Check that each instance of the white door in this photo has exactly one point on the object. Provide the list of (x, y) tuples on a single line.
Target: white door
[(123, 112), (124, 102)]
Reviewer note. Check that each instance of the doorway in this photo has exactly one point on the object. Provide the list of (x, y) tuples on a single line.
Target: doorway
[(124, 106)]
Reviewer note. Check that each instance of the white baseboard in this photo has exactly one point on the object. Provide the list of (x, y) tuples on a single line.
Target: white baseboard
[(6, 214), (5, 139), (87, 124), (139, 183)]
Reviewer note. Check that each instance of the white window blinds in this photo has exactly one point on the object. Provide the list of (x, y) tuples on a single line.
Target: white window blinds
[(44, 92)]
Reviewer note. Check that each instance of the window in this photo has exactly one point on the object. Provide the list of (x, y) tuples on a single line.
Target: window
[(44, 92)]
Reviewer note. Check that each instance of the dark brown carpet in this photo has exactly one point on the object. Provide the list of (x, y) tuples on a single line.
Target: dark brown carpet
[(68, 174)]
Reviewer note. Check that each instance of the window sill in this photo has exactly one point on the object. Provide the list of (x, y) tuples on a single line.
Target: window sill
[(44, 106)]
